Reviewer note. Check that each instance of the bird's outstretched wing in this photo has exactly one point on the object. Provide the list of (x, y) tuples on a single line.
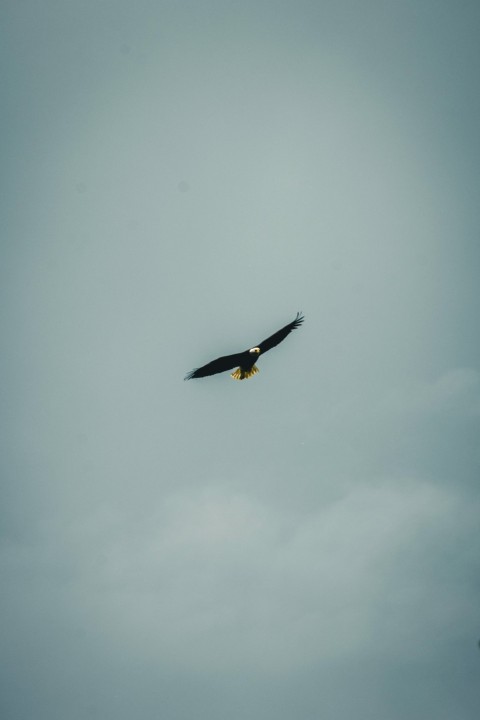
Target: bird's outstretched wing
[(227, 362), (280, 335)]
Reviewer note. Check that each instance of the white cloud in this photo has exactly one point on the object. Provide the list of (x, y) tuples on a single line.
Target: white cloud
[(456, 391), (217, 581)]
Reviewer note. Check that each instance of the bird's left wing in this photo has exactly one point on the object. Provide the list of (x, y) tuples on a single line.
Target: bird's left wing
[(280, 335), (227, 362)]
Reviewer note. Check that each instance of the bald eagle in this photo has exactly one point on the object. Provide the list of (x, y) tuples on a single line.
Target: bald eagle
[(245, 360)]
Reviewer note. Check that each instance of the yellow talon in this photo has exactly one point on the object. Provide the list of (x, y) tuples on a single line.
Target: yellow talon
[(241, 374)]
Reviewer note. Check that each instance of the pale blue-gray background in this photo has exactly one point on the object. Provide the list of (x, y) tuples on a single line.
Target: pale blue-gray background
[(178, 179)]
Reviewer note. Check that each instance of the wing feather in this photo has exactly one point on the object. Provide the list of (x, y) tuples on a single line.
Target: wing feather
[(280, 335), (221, 364)]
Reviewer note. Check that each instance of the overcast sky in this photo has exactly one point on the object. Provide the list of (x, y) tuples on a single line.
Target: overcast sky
[(178, 180)]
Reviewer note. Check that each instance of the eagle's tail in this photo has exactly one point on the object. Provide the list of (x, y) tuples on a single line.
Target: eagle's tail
[(241, 374)]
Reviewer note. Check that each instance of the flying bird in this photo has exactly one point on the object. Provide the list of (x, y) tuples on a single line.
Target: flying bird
[(245, 361)]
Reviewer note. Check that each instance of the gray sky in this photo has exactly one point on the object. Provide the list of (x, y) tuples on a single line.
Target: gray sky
[(178, 179)]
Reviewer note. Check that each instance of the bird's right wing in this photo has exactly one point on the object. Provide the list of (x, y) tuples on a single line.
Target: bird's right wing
[(227, 362), (281, 334)]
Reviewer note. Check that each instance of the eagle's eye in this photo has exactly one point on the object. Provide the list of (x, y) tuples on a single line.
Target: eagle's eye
[(254, 350)]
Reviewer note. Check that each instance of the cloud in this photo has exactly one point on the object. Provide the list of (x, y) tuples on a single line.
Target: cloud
[(456, 391), (216, 581)]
